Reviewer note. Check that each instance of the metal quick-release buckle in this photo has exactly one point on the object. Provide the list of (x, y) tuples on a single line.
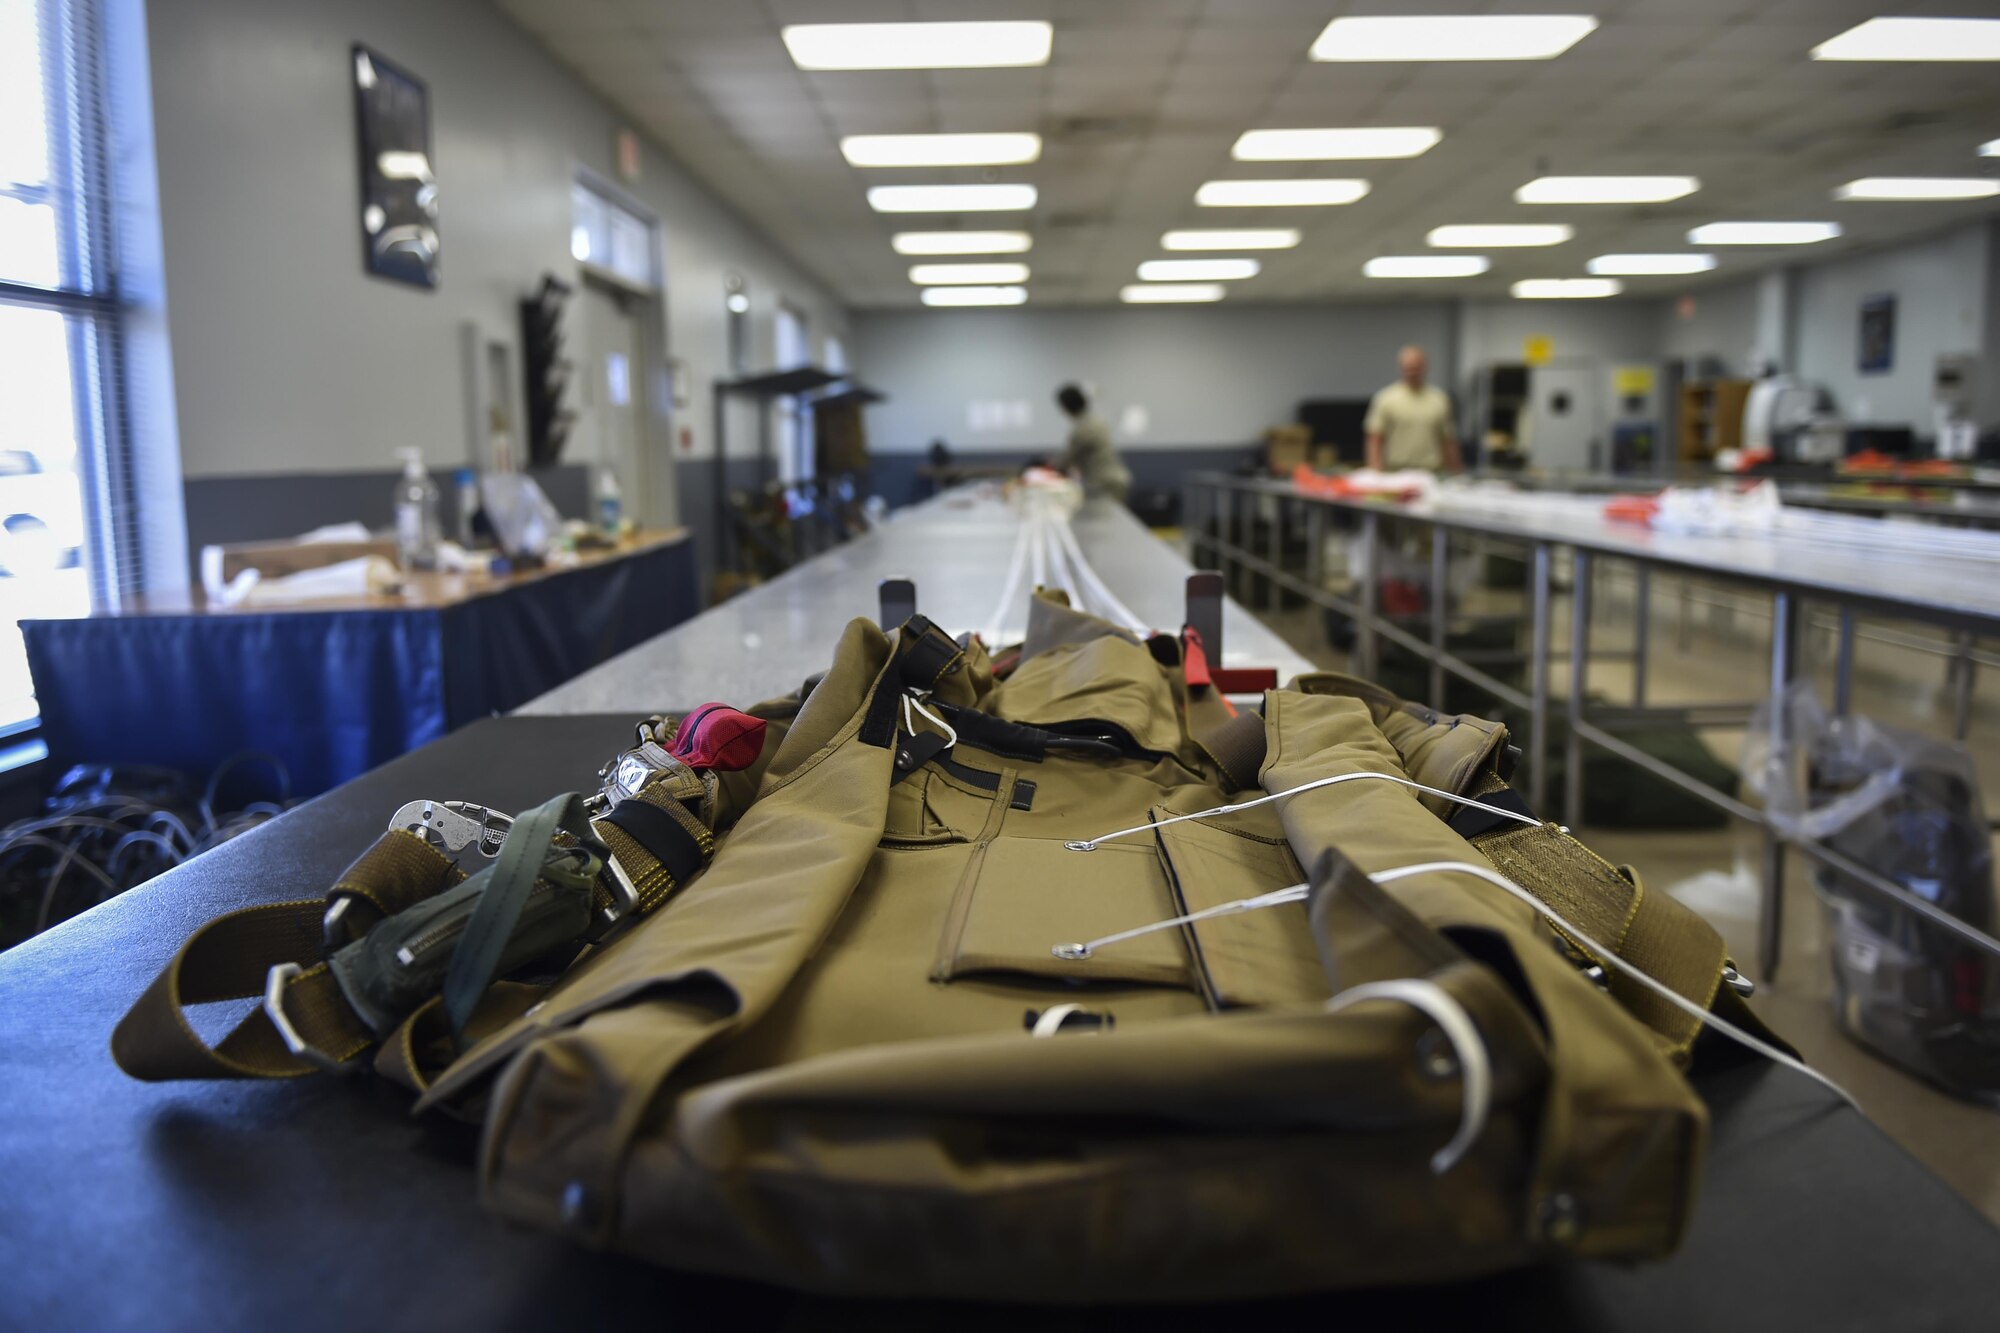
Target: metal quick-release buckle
[(275, 982), (454, 825)]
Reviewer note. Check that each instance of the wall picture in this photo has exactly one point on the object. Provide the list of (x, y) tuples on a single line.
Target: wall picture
[(399, 193), (1878, 334)]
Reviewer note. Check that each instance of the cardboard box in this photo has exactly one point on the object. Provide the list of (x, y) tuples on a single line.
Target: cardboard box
[(1286, 448)]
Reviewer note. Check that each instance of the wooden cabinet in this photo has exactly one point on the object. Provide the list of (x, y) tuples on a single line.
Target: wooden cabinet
[(1711, 417)]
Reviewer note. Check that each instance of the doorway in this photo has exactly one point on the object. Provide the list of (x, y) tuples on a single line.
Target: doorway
[(611, 399)]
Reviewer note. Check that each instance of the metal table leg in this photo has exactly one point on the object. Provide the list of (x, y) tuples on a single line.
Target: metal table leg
[(1843, 664), (1962, 682), (1371, 557), (1784, 666), (1274, 554), (1538, 692), (1579, 672), (1642, 626), (1440, 610)]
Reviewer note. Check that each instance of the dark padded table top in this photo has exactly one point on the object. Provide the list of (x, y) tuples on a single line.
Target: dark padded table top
[(321, 1203)]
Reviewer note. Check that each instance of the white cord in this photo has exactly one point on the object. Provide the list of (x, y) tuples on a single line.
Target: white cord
[(1015, 567), (1108, 603), (910, 701), (1610, 956), (1468, 1048), (1298, 892), (1091, 844), (1059, 565)]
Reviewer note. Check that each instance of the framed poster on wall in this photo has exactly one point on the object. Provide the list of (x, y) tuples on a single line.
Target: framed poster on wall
[(399, 191), (1878, 334)]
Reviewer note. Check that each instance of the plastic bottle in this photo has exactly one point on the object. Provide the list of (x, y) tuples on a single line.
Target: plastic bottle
[(610, 504), (417, 523), (467, 484)]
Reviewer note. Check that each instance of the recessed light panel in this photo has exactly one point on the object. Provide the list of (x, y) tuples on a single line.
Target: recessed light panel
[(1634, 265), (1170, 293), (1918, 187), (1566, 289), (1335, 145), (918, 45), (1474, 236), (1255, 238), (988, 275), (1426, 266), (1279, 194), (961, 242), (950, 198), (940, 150), (1605, 189), (1763, 233), (975, 295), (1914, 39), (1197, 270), (1452, 37)]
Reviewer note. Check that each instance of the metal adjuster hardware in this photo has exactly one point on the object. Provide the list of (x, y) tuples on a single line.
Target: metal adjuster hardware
[(274, 1009), (624, 893), (454, 825), (626, 775)]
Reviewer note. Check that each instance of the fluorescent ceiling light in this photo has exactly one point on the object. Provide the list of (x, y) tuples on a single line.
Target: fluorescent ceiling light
[(940, 150), (1426, 266), (1559, 289), (1918, 187), (1763, 233), (950, 198), (1472, 236), (1452, 37), (1334, 145), (918, 45), (1162, 293), (1991, 148), (975, 295), (961, 242), (1632, 265), (1279, 194), (1255, 238), (1605, 189), (1196, 270), (986, 275), (1915, 39)]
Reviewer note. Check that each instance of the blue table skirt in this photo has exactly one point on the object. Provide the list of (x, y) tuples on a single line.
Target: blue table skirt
[(334, 693)]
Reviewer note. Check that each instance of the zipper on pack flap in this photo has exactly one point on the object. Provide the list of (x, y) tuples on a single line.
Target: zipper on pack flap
[(400, 964)]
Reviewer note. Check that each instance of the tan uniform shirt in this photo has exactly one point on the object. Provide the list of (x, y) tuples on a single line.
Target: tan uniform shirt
[(1095, 459), (1413, 425)]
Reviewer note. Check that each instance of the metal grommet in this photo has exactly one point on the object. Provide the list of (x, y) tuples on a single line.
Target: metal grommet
[(578, 1206), (1560, 1218), (1436, 1060), (1080, 846)]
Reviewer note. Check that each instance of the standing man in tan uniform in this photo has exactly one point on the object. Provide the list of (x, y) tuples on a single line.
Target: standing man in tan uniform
[(1409, 423), (1090, 453)]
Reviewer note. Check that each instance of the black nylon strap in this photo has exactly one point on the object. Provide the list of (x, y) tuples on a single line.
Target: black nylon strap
[(1470, 822), (923, 652), (665, 838)]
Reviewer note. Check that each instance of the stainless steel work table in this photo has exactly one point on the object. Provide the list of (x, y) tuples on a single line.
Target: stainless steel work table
[(1959, 593), (956, 547)]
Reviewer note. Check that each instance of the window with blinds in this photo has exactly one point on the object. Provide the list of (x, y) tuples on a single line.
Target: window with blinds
[(66, 516)]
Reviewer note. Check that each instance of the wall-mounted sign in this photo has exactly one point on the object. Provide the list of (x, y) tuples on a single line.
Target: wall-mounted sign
[(1632, 381), (1877, 342), (399, 189), (1537, 349)]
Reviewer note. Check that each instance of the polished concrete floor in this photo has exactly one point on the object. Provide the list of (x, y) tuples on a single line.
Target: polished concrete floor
[(1713, 646)]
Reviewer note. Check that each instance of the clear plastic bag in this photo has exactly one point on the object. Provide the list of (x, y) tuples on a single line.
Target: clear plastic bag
[(525, 521), (1908, 807)]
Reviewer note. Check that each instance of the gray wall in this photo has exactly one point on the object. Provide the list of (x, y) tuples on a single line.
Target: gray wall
[(1204, 375), (1723, 325), (287, 356), (1611, 331), (1940, 291)]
